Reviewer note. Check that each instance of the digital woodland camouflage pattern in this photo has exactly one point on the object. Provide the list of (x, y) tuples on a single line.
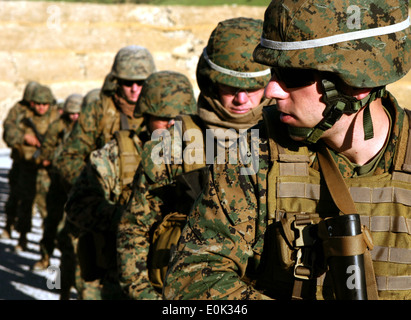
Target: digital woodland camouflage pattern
[(73, 103), (98, 196), (59, 130), (228, 249), (89, 133), (28, 169), (94, 199), (365, 63), (13, 136), (166, 94), (43, 95), (227, 245), (56, 197), (133, 63), (98, 191), (231, 46)]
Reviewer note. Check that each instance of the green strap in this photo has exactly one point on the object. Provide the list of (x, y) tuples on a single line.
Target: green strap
[(367, 124)]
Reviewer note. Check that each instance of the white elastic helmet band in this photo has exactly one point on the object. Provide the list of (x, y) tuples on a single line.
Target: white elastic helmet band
[(355, 35), (233, 72)]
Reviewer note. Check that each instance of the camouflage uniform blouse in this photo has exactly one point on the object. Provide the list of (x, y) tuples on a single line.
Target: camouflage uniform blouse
[(223, 245), (88, 134)]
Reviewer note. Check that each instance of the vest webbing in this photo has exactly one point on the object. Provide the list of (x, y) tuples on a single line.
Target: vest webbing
[(113, 120), (197, 140), (296, 163), (129, 157)]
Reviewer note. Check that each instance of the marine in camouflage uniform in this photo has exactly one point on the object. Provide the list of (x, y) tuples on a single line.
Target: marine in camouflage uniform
[(99, 119), (104, 186), (231, 99), (13, 136), (52, 145), (112, 112), (239, 242), (33, 126)]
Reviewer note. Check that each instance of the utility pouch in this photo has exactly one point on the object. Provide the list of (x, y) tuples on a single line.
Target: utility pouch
[(164, 241), (299, 245)]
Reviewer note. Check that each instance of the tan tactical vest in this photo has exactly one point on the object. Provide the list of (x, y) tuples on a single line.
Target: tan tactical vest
[(64, 131), (113, 120), (41, 123), (383, 202), (167, 233), (129, 155), (189, 123)]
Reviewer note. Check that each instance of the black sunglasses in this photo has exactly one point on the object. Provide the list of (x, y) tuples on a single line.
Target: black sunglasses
[(129, 83), (293, 77)]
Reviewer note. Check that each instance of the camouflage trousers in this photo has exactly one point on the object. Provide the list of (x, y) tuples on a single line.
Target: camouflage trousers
[(27, 192), (56, 198), (12, 201), (43, 182)]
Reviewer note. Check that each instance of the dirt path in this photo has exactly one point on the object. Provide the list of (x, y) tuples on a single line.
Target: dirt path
[(17, 279)]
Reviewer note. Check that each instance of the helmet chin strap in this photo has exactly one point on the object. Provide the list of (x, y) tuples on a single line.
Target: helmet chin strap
[(338, 104)]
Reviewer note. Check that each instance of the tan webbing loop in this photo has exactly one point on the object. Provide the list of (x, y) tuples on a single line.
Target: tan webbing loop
[(342, 198), (344, 246)]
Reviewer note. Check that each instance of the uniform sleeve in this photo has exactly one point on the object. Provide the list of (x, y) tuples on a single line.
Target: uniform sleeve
[(12, 133), (133, 242), (216, 243), (92, 201), (50, 141), (80, 143), (162, 158)]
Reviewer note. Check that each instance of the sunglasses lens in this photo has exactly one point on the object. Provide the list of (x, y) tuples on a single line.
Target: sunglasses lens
[(294, 78), (129, 83)]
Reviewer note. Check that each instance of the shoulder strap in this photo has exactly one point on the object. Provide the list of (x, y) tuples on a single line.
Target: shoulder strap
[(406, 166), (109, 112), (193, 122), (129, 157), (343, 200), (335, 182)]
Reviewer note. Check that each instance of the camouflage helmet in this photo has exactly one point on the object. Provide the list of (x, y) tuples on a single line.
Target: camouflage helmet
[(166, 94), (29, 90), (365, 43), (228, 57), (91, 96), (42, 94), (73, 103), (133, 63)]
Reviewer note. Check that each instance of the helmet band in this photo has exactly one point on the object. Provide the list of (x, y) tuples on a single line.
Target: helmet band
[(232, 72), (355, 35)]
